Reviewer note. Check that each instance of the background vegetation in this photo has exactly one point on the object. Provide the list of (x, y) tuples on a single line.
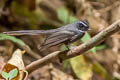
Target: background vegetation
[(100, 63)]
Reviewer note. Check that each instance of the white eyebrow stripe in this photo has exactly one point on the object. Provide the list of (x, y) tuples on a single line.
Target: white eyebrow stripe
[(83, 23)]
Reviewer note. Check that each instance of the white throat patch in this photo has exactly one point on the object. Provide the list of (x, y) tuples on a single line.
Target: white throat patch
[(81, 31)]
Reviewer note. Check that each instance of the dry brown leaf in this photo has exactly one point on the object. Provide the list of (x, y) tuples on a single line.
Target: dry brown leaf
[(16, 62), (2, 63)]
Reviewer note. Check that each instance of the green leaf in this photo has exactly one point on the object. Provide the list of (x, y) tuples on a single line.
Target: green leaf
[(87, 37), (13, 39), (100, 47), (97, 67), (64, 47), (13, 73), (72, 19), (66, 64), (93, 50), (63, 15), (20, 10), (81, 68), (5, 75)]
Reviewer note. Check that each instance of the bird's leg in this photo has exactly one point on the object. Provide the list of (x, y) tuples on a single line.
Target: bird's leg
[(66, 45)]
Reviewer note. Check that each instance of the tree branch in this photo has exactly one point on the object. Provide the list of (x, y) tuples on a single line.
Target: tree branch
[(115, 27)]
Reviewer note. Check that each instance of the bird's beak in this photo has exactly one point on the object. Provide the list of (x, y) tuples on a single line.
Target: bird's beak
[(89, 29)]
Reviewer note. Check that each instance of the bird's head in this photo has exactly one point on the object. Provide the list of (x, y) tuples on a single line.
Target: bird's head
[(82, 25)]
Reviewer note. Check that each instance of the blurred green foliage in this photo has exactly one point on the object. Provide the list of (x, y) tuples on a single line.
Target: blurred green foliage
[(13, 39), (23, 14), (64, 16), (100, 47), (81, 68), (100, 70)]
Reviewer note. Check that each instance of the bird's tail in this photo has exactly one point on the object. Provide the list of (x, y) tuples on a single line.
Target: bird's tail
[(29, 32)]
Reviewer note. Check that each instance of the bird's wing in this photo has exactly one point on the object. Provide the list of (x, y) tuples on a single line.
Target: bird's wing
[(57, 38)]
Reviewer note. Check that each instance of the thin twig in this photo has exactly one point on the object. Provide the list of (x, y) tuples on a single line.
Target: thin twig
[(31, 53), (35, 65), (115, 27)]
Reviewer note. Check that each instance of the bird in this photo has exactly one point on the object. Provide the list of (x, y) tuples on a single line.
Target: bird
[(66, 34)]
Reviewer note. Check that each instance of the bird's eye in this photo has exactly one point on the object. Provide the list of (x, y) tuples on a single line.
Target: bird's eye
[(83, 27)]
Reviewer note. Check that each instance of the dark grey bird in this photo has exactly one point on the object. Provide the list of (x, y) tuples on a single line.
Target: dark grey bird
[(65, 34)]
